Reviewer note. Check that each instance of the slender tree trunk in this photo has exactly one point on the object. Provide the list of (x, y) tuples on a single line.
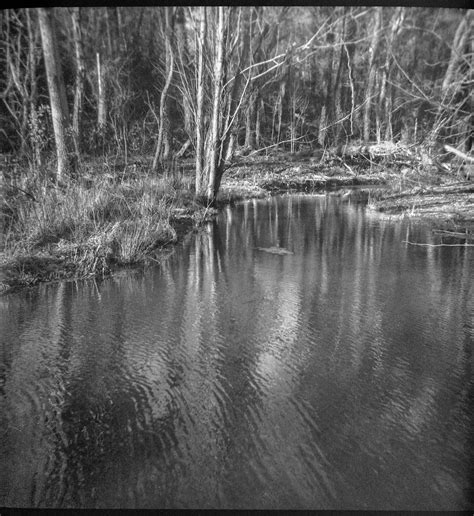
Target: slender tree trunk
[(372, 71), (163, 143), (379, 87), (101, 96), (237, 95), (112, 29), (252, 90), (348, 100), (107, 48), (329, 96), (231, 146), (338, 90), (258, 123), (33, 36), (56, 89), (216, 111), (280, 101), (250, 121), (385, 105), (200, 103), (80, 77), (183, 52)]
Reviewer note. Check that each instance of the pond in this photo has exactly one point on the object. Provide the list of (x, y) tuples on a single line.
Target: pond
[(335, 374)]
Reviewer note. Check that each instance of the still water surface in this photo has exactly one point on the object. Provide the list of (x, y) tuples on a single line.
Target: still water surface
[(339, 376)]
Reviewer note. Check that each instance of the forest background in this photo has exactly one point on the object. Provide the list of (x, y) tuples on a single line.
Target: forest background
[(86, 91)]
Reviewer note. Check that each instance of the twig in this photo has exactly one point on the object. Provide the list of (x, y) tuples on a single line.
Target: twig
[(438, 245), (346, 165), (457, 152), (25, 192)]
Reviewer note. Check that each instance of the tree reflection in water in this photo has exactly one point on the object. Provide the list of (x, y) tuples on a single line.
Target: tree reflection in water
[(339, 376)]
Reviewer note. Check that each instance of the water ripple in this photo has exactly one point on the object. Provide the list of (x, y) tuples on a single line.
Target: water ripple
[(336, 377)]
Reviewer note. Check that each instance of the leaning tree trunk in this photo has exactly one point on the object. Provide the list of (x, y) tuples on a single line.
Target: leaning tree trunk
[(57, 94)]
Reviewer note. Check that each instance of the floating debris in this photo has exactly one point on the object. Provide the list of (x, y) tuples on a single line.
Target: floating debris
[(274, 250)]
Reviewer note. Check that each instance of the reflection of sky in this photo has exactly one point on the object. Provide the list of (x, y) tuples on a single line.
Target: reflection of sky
[(337, 376)]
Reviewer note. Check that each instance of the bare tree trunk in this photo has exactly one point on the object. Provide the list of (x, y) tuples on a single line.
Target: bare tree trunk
[(338, 90), (163, 143), (250, 121), (231, 146), (200, 103), (385, 104), (80, 77), (329, 96), (252, 93), (101, 97), (105, 52), (236, 97), (56, 89), (33, 36), (216, 111), (349, 93), (182, 46), (372, 71), (281, 97), (258, 123)]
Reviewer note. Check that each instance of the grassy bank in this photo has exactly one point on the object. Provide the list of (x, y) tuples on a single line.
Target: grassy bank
[(110, 219), (89, 227)]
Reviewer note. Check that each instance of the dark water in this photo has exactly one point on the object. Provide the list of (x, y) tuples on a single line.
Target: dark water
[(340, 376)]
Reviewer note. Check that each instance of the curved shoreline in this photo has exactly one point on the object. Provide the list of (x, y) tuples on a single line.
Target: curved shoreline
[(449, 207)]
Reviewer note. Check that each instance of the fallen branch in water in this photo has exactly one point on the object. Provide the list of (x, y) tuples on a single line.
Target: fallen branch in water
[(438, 245), (454, 234)]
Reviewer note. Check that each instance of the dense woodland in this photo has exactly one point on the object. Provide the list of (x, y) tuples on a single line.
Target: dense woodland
[(209, 82)]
